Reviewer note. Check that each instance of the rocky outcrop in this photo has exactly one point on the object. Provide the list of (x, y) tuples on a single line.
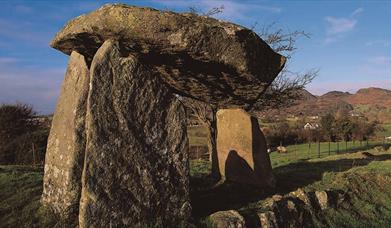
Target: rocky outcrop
[(136, 167), (201, 57), (297, 208), (66, 143), (241, 149)]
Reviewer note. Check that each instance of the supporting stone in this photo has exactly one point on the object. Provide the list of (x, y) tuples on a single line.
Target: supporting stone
[(136, 168), (66, 143), (241, 149)]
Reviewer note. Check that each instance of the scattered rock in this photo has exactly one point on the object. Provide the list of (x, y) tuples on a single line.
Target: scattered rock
[(303, 196), (382, 148), (241, 149), (268, 219), (227, 219), (66, 143), (322, 199)]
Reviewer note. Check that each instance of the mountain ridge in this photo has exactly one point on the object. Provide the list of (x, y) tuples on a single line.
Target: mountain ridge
[(373, 103)]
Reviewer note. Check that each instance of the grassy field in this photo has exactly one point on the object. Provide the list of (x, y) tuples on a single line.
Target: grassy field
[(387, 132), (20, 192), (366, 180)]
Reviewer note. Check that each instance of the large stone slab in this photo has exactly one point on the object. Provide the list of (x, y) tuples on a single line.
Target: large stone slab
[(136, 167), (204, 58), (66, 143), (241, 149)]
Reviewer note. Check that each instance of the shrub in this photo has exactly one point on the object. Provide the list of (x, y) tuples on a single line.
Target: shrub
[(23, 136)]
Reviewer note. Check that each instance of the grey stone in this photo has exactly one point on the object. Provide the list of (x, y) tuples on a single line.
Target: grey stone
[(204, 58), (66, 143), (136, 168)]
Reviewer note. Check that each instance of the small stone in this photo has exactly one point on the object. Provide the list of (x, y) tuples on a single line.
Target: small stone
[(268, 219), (302, 195), (227, 219), (322, 199), (277, 197)]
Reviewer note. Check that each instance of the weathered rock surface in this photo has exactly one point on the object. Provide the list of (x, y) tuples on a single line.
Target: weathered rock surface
[(241, 149), (227, 219), (204, 58), (297, 208), (136, 168), (66, 143)]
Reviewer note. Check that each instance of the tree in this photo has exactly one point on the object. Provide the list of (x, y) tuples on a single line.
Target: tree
[(344, 128), (327, 124), (288, 86), (23, 137)]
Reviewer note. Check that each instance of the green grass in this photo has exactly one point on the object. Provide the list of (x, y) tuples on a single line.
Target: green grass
[(197, 136), (366, 180), (20, 192), (387, 132), (302, 152)]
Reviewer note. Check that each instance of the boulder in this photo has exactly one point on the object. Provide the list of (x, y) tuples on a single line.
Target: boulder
[(66, 142), (241, 149), (136, 171), (214, 61), (227, 219)]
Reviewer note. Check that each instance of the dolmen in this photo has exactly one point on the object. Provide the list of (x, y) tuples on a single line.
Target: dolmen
[(117, 153)]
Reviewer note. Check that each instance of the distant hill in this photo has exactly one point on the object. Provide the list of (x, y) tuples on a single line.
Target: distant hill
[(373, 103)]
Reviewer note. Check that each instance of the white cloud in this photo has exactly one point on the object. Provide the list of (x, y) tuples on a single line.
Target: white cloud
[(338, 27), (232, 10), (357, 12)]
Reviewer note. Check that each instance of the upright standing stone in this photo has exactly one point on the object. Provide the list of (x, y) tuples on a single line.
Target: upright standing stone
[(136, 168), (66, 143), (241, 149)]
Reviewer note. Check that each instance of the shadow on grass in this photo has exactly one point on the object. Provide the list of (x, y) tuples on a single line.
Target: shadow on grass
[(207, 200)]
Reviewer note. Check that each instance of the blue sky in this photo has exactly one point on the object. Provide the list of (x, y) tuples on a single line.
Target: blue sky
[(350, 41)]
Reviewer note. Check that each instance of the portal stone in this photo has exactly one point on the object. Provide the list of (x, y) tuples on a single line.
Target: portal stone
[(66, 143), (241, 149), (136, 168)]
